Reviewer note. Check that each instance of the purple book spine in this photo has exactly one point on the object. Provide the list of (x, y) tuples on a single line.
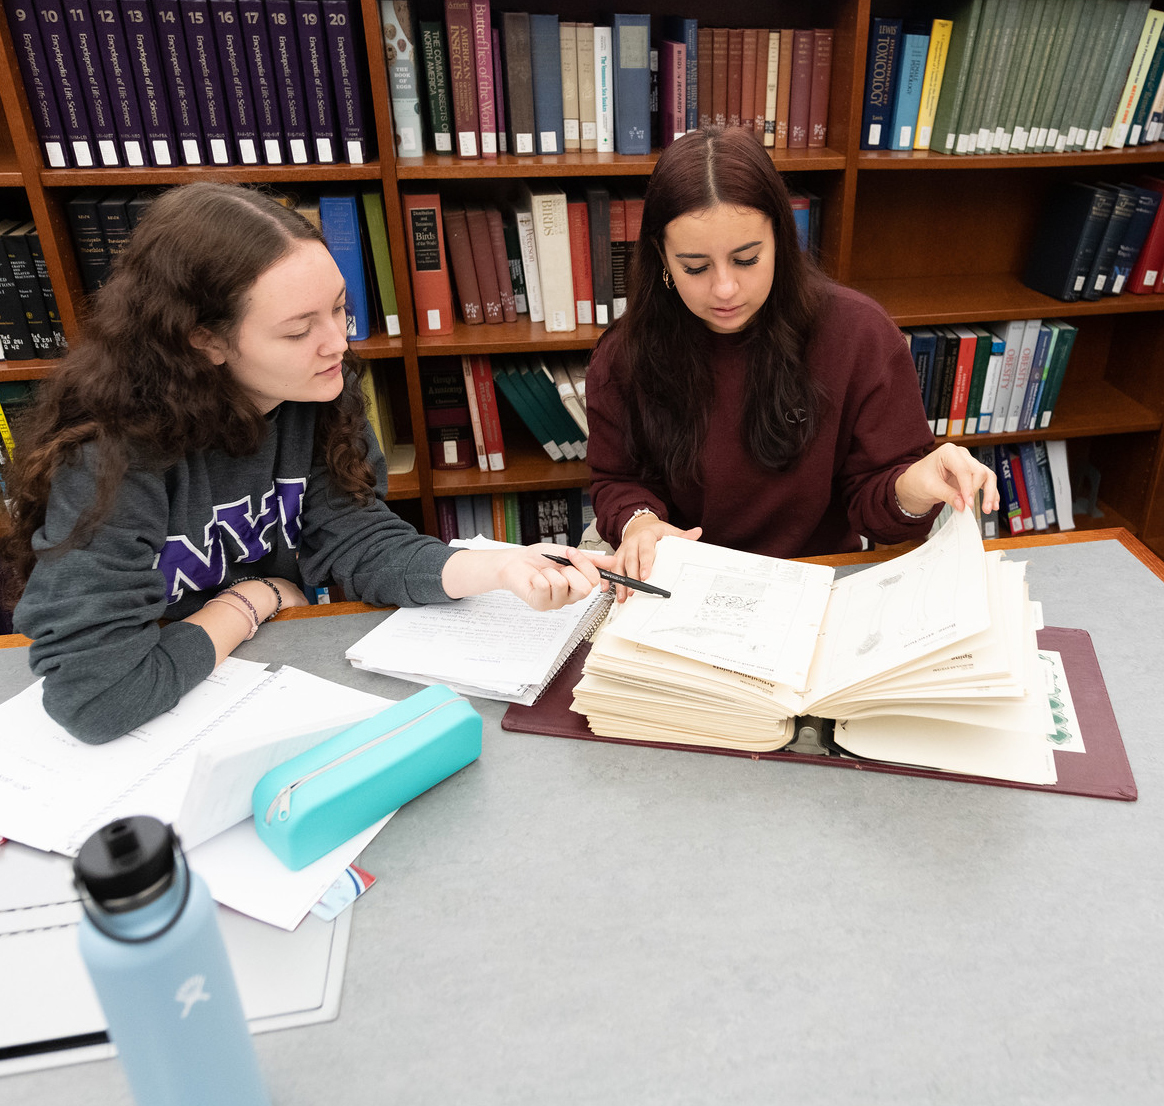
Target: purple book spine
[(289, 80), (115, 60), (344, 44), (178, 77), (264, 92), (316, 80), (208, 86), (236, 83), (63, 71), (144, 61), (87, 55), (34, 69)]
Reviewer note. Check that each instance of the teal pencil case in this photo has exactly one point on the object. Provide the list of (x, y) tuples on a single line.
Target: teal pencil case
[(317, 800)]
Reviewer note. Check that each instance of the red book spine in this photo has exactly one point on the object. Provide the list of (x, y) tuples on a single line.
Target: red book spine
[(501, 264), (783, 88), (463, 76), (673, 85), (735, 74), (483, 263), (958, 404), (818, 97), (801, 91), (1020, 487), (461, 259), (487, 408), (474, 412), (578, 220), (1149, 264), (483, 69), (719, 76), (761, 93), (703, 76), (748, 79), (431, 291)]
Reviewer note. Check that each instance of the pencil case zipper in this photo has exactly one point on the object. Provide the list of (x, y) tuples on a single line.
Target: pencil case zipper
[(280, 805)]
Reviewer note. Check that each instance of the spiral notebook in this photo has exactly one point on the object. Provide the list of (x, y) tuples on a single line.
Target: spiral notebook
[(492, 645)]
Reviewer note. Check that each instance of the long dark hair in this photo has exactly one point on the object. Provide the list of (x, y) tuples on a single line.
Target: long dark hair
[(137, 388), (666, 347)]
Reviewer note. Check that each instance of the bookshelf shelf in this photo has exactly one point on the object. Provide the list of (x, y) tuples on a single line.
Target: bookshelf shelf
[(404, 485), (525, 471), (930, 161), (379, 345), (25, 370), (519, 337), (971, 297), (186, 174)]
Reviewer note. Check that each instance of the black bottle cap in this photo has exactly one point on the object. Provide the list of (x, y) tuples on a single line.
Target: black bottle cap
[(125, 858)]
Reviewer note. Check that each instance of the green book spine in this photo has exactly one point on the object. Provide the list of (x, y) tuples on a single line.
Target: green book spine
[(963, 36), (381, 259), (1001, 73), (553, 412), (1084, 15), (507, 379), (1050, 396), (1021, 72), (1119, 63), (978, 378), (1151, 86), (987, 42), (1046, 39), (1109, 18), (436, 85), (513, 257)]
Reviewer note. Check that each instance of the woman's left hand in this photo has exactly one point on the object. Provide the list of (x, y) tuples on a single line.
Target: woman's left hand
[(949, 474)]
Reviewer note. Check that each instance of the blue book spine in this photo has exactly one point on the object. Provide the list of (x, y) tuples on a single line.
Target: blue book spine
[(880, 82), (922, 347), (289, 80), (678, 29), (118, 68), (177, 75), (1035, 380), (94, 92), (340, 221), (198, 28), (264, 90), (1147, 200), (316, 78), (545, 52), (34, 69), (631, 36), (66, 81), (1034, 483), (907, 97), (344, 47), (236, 82)]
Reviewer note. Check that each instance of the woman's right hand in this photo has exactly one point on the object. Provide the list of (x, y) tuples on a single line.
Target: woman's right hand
[(635, 556)]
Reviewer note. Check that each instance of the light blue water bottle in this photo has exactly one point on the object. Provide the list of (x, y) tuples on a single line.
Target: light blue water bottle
[(150, 940)]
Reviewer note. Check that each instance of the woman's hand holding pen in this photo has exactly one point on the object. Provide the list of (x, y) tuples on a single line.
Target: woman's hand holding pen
[(635, 556), (524, 571), (949, 474)]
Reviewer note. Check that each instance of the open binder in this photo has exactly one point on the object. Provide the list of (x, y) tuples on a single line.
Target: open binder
[(1101, 772)]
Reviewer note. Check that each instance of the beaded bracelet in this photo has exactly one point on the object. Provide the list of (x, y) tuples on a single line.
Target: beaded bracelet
[(221, 598), (249, 605), (908, 514), (278, 593)]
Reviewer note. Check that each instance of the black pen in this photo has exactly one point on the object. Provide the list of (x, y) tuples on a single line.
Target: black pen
[(615, 578)]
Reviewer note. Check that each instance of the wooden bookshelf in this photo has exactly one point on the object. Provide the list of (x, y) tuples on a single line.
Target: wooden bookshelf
[(934, 238)]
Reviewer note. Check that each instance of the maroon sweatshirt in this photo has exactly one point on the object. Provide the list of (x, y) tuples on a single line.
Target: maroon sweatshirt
[(872, 425)]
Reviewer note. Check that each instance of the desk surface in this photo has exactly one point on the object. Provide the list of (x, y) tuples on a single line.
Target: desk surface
[(569, 921)]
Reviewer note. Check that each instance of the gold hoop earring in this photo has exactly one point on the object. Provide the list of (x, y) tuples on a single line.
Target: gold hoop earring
[(668, 282)]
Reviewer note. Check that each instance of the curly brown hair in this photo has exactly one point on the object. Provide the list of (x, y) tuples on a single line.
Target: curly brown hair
[(137, 388)]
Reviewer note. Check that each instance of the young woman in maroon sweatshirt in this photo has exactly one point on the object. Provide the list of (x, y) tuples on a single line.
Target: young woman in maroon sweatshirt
[(744, 397)]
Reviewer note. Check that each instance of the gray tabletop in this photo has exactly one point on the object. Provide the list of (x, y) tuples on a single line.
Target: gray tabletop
[(578, 922)]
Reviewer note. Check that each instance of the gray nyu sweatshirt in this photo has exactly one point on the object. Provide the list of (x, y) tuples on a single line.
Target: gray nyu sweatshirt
[(176, 536)]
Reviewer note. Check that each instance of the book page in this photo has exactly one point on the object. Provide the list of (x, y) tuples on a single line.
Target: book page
[(755, 615), (894, 613)]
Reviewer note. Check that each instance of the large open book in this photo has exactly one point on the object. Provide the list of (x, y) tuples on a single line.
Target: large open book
[(929, 659)]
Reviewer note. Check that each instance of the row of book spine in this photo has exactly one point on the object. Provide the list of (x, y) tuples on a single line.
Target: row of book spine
[(1095, 240), (30, 325), (1034, 483), (353, 226), (16, 396), (521, 518), (193, 82), (1013, 76), (531, 83), (544, 392), (1002, 378), (558, 255)]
